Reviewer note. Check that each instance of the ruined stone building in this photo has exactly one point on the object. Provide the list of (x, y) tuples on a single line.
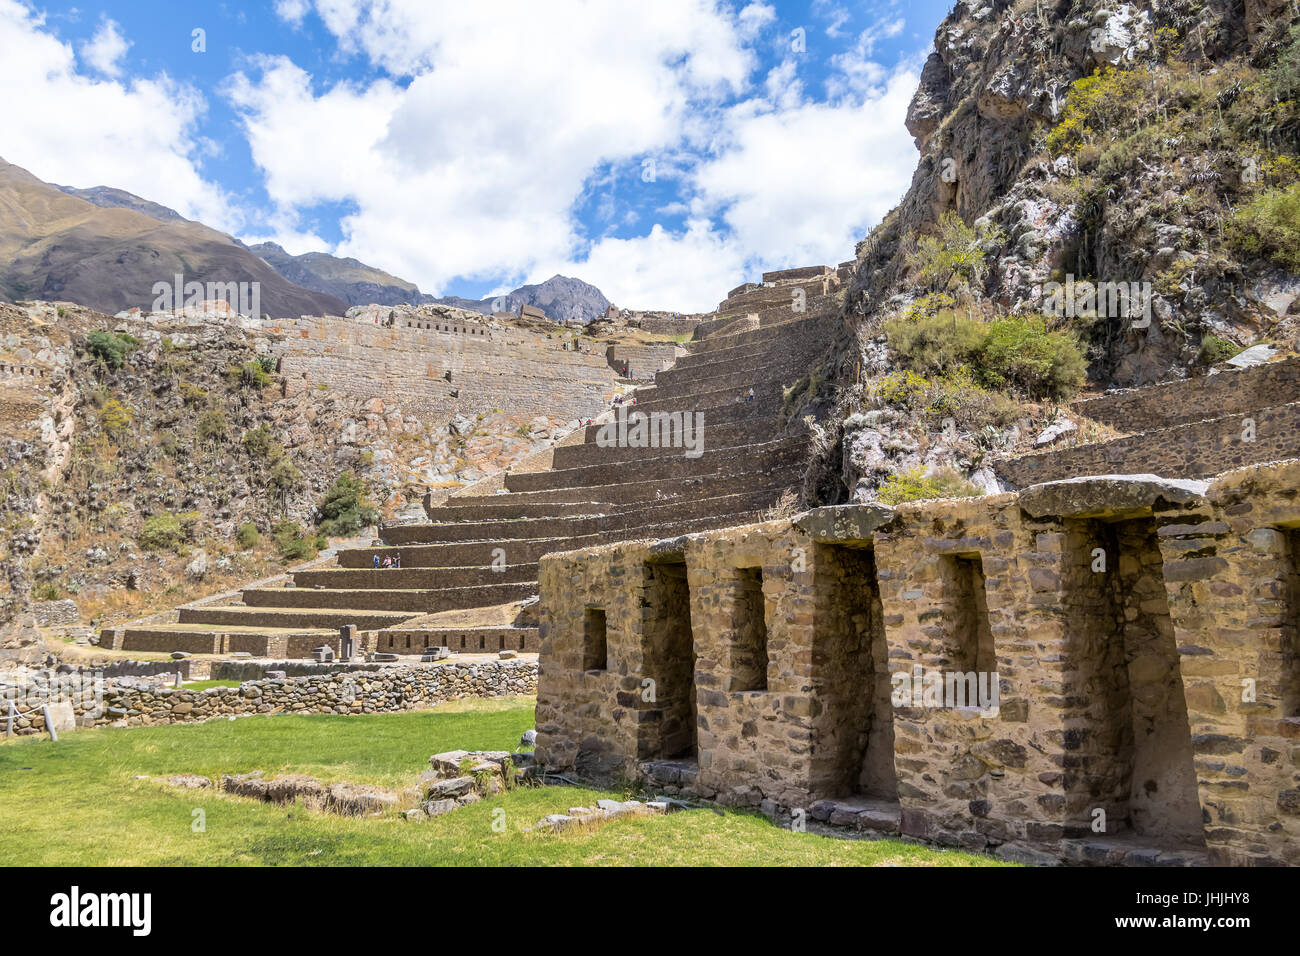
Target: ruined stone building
[(1145, 636)]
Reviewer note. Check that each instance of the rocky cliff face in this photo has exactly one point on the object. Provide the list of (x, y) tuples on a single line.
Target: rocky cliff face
[(1131, 179), (1126, 174)]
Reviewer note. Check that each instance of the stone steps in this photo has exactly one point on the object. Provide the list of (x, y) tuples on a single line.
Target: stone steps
[(294, 617), (590, 495), (202, 639), (415, 579), (616, 518), (721, 436), (670, 466), (457, 554), (1198, 449)]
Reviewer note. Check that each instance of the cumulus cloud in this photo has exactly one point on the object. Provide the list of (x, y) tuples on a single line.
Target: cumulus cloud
[(66, 127), (468, 162), (470, 154), (104, 51)]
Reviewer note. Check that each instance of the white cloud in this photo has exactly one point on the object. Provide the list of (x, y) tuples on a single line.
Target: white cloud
[(65, 127), (469, 163), (105, 50), (471, 169), (292, 11)]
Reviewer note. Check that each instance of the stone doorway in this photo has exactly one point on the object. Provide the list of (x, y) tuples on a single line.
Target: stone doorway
[(669, 661), (1128, 749), (854, 748)]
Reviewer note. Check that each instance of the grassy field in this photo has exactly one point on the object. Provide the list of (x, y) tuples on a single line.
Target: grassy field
[(209, 684), (76, 802)]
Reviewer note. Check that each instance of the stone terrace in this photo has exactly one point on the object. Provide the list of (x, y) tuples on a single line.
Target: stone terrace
[(1143, 636), (481, 548), (1192, 428)]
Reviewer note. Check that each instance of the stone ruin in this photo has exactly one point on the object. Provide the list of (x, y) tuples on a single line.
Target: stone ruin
[(1143, 636)]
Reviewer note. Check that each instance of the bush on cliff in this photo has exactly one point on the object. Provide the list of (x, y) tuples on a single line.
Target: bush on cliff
[(1015, 352), (916, 485), (345, 509), (1269, 228), (110, 349)]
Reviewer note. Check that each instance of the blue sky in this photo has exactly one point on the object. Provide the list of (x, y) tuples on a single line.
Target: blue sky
[(665, 152)]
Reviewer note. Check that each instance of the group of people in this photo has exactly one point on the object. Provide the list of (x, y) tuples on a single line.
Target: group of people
[(390, 561)]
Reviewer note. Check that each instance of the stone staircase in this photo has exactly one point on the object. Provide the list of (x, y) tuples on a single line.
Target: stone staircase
[(480, 548), (1191, 428)]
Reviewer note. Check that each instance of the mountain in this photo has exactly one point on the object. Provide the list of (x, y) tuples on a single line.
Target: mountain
[(348, 279), (66, 250), (106, 197), (108, 253), (560, 297)]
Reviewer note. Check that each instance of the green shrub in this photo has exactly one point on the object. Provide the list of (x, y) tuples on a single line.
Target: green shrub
[(267, 363), (1215, 350), (1021, 353), (249, 375), (285, 476), (345, 509), (211, 429), (915, 485), (292, 542), (247, 535), (1283, 78), (110, 349), (1269, 228), (932, 344), (193, 395), (956, 253), (162, 532), (902, 389), (115, 418), (1013, 352)]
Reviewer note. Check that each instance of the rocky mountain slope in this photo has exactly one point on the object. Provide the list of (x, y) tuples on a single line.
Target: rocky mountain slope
[(348, 279), (562, 298), (54, 245), (147, 462), (1122, 175)]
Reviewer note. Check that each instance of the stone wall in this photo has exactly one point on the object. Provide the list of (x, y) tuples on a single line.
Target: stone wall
[(1142, 637), (135, 703), (1195, 450), (1233, 392), (441, 369)]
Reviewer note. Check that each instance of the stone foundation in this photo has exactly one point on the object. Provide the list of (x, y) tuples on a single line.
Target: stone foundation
[(1142, 637)]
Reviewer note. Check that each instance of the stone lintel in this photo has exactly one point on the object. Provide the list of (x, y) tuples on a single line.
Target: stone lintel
[(1108, 496), (668, 550), (849, 524)]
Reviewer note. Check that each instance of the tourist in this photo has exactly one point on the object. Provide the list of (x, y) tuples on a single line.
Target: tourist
[(750, 396), (376, 559), (398, 562), (388, 561)]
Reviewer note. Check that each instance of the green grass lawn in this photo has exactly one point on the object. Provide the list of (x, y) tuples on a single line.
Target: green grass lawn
[(208, 684), (76, 803)]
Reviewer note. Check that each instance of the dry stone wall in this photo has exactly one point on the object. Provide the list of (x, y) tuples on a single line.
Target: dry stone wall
[(441, 370), (1100, 670), (1188, 450), (1234, 392), (145, 703)]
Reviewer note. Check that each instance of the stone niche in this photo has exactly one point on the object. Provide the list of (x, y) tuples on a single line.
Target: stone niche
[(1143, 637)]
